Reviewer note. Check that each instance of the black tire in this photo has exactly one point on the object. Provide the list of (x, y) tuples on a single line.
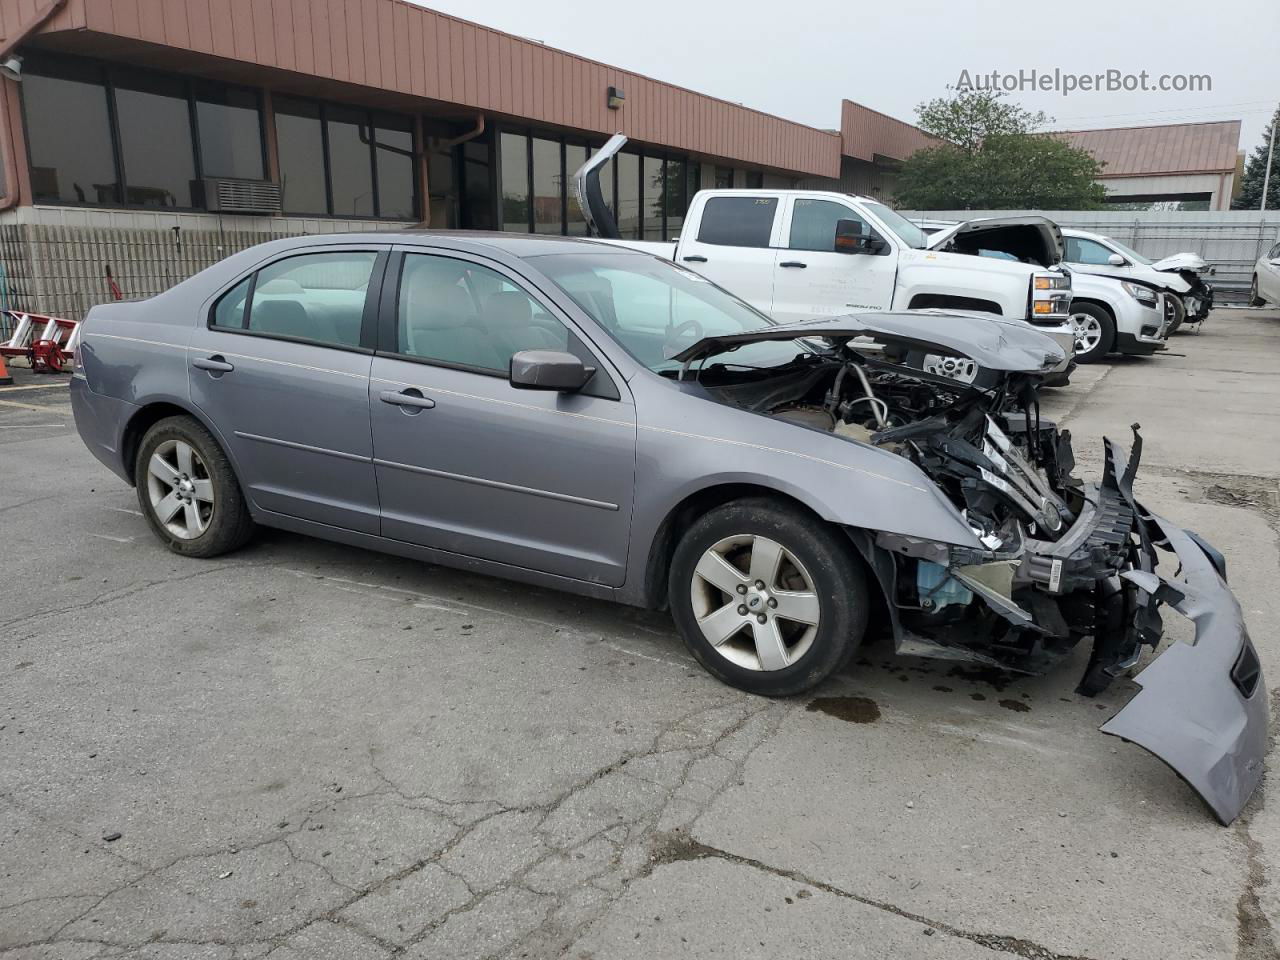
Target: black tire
[(1177, 313), (832, 564), (1254, 299), (1106, 343), (229, 525)]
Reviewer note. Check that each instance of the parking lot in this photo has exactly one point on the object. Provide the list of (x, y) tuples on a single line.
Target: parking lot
[(305, 750)]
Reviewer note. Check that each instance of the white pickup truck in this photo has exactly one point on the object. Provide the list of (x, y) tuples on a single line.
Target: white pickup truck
[(796, 254)]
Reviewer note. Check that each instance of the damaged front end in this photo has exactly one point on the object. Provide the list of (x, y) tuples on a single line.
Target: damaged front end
[(1058, 561)]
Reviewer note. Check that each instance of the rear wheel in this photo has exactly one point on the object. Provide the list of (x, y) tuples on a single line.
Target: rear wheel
[(1095, 332), (188, 492), (769, 599)]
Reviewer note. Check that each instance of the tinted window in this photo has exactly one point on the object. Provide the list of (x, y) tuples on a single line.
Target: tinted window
[(548, 186), (675, 196), (1080, 250), (396, 193), (229, 311), (230, 128), (317, 297), (515, 182), (813, 224), (738, 221), (724, 178), (628, 198), (69, 134), (755, 179), (462, 313), (653, 189), (350, 166), (301, 149), (155, 140), (575, 156)]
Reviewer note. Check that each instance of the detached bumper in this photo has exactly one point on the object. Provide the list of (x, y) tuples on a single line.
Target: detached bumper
[(1202, 708)]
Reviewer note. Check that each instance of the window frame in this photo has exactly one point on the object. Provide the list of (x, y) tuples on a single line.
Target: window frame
[(369, 118), (369, 312), (601, 386), (106, 74)]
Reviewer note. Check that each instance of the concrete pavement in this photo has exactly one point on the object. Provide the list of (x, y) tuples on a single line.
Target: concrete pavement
[(312, 751)]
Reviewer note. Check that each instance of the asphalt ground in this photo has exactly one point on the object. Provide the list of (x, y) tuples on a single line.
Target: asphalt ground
[(305, 750)]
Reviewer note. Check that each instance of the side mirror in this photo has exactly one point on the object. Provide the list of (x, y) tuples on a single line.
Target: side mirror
[(1116, 260), (549, 370), (851, 239)]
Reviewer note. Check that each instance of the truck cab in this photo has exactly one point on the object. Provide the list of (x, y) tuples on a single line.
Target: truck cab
[(800, 254)]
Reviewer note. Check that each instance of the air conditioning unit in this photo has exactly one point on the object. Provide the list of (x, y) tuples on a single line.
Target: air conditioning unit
[(224, 195)]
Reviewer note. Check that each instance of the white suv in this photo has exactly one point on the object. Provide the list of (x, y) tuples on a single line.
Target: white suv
[(1265, 287)]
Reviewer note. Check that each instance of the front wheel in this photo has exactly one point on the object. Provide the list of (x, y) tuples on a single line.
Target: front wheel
[(188, 491), (768, 599), (1095, 332), (1254, 299)]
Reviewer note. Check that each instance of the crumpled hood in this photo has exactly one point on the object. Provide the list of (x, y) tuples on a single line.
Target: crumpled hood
[(991, 342), (1181, 261), (1034, 237)]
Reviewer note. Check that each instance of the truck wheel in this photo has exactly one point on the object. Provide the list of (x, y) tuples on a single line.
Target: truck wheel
[(768, 599), (188, 492), (964, 371), (1095, 332)]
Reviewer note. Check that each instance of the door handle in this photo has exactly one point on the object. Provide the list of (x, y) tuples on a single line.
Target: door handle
[(407, 398), (215, 364), (793, 263), (694, 259)]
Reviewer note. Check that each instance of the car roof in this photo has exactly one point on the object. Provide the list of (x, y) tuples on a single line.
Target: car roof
[(518, 245)]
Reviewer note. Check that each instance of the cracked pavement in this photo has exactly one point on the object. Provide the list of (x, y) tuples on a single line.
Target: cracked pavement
[(311, 751)]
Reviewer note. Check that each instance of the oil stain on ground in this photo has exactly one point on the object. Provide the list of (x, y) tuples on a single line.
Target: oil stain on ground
[(1017, 706), (851, 709)]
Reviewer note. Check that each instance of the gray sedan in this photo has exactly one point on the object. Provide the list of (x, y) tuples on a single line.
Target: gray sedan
[(593, 419)]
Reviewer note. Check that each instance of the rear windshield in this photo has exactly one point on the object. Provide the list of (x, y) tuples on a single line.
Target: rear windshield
[(654, 308)]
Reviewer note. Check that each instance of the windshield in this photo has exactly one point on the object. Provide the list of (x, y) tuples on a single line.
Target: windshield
[(1129, 252), (905, 230), (655, 309)]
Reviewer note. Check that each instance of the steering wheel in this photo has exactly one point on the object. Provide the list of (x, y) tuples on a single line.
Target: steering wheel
[(691, 328)]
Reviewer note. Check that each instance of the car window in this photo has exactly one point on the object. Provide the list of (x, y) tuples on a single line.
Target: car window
[(1275, 252), (654, 308), (318, 297), (459, 312), (738, 221), (230, 310), (1080, 250), (813, 224)]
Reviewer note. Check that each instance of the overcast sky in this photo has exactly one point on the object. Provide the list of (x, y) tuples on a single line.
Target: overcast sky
[(798, 58)]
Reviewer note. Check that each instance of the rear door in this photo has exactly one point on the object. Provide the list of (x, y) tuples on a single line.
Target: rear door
[(812, 280), (467, 463), (733, 243), (281, 368)]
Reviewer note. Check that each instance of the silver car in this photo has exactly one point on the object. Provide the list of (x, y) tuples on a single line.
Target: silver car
[(594, 419)]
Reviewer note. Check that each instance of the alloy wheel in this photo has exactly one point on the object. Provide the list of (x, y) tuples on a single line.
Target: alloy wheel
[(1088, 331), (755, 603), (180, 489), (957, 368)]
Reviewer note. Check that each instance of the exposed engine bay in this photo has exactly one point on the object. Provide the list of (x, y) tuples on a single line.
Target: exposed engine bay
[(1053, 547)]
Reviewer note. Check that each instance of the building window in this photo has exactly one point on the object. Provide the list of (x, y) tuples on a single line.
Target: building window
[(627, 208), (548, 186), (724, 178), (154, 118), (69, 133), (575, 155), (229, 125), (652, 190), (755, 179), (106, 135), (350, 166), (345, 162), (515, 182), (393, 149)]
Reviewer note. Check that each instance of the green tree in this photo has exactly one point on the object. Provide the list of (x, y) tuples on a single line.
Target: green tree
[(991, 157), (1255, 172)]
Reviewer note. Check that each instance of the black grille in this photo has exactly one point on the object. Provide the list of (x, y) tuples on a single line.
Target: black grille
[(1247, 670)]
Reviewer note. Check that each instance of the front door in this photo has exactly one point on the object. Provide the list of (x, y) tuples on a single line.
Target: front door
[(812, 280), (732, 244), (281, 371), (469, 464)]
